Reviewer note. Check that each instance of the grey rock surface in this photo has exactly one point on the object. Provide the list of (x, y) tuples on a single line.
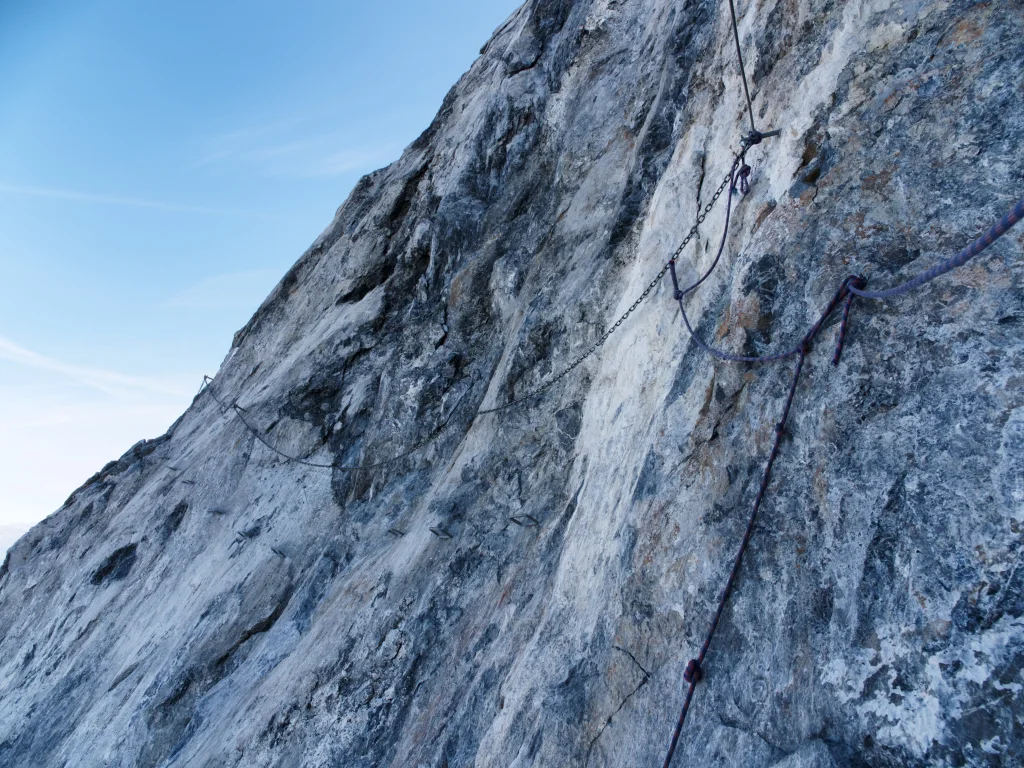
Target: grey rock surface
[(205, 602), (814, 754)]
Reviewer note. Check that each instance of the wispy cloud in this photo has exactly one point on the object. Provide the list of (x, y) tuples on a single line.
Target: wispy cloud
[(235, 290), (134, 202), (230, 144), (346, 161), (278, 150), (108, 382)]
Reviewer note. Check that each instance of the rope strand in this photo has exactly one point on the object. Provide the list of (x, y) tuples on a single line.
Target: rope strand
[(694, 668), (997, 230), (850, 289)]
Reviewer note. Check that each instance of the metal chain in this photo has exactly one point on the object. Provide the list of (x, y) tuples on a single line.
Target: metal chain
[(590, 351), (439, 430), (650, 287), (703, 214), (442, 427)]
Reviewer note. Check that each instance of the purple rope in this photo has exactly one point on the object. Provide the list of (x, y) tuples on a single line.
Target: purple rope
[(721, 246), (693, 673), (997, 230), (851, 288), (679, 295), (728, 355), (854, 281)]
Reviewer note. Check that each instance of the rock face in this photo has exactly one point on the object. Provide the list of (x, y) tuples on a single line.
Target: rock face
[(206, 602)]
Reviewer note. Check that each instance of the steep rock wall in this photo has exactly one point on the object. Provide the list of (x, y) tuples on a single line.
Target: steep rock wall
[(204, 601)]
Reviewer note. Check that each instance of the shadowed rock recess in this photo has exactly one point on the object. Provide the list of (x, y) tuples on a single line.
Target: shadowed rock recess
[(205, 602)]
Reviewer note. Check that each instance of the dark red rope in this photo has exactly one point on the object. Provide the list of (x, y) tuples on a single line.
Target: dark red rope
[(694, 668), (679, 295), (850, 289), (996, 231)]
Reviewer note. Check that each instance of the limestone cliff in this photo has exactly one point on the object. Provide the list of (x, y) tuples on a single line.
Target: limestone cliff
[(206, 602)]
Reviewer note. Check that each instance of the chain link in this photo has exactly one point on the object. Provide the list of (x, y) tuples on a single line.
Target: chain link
[(604, 336), (702, 215), (593, 348)]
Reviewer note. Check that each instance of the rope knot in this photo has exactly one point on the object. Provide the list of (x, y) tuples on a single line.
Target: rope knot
[(692, 673), (677, 295), (743, 178), (780, 429), (805, 347)]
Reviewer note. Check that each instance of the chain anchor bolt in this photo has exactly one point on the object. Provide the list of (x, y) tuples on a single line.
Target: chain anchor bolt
[(756, 137)]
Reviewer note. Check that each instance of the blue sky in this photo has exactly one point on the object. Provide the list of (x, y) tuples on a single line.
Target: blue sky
[(161, 166)]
